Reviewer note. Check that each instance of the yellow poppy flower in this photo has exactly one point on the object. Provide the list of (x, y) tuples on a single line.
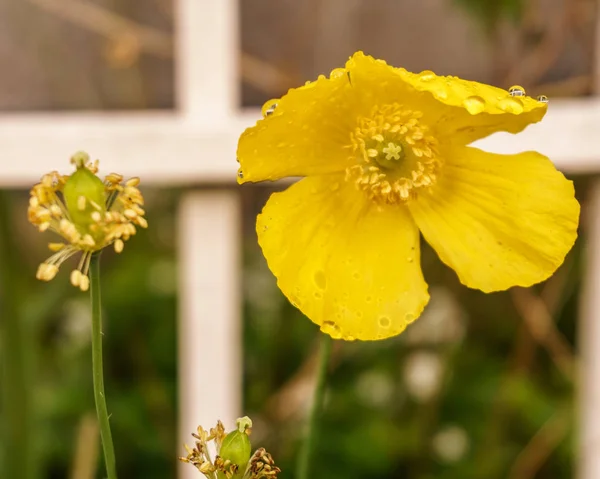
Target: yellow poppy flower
[(384, 155)]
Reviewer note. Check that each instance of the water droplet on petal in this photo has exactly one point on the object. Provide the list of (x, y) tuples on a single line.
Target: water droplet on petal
[(269, 107), (385, 322), (337, 73), (511, 105), (356, 275), (542, 98), (409, 318), (474, 104), (295, 301), (320, 279), (410, 259), (427, 75), (440, 93), (329, 327), (516, 90), (369, 299), (240, 174)]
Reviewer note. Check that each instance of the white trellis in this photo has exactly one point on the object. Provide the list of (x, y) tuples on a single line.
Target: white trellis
[(196, 145)]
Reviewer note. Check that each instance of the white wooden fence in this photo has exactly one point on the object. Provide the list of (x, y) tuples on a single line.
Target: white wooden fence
[(196, 145)]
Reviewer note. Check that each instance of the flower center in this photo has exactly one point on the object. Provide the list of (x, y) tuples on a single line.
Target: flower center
[(395, 154)]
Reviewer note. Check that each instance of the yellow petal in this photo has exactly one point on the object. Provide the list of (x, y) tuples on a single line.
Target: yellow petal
[(306, 134), (499, 220), (458, 111), (350, 266)]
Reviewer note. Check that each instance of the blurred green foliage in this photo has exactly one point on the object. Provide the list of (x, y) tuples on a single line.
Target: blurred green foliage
[(488, 12), (493, 387)]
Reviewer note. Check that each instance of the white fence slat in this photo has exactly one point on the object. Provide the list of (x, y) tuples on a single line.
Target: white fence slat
[(163, 149), (155, 146), (589, 347), (209, 312), (207, 54)]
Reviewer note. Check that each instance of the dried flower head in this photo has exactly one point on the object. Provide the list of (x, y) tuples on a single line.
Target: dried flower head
[(90, 214), (232, 459)]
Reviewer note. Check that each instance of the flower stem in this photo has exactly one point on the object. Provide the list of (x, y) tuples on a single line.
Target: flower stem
[(103, 419), (312, 433)]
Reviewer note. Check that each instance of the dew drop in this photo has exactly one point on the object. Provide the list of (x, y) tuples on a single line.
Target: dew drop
[(511, 105), (269, 107), (409, 318), (337, 73), (516, 90), (542, 98), (295, 301), (309, 84), (240, 174), (474, 104), (427, 75), (369, 299), (320, 279), (410, 259), (329, 327), (385, 322), (440, 93), (356, 275)]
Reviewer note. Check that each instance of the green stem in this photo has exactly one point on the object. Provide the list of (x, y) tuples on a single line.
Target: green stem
[(309, 444), (100, 397)]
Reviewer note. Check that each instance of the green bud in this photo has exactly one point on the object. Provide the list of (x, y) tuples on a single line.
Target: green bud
[(236, 448), (84, 194)]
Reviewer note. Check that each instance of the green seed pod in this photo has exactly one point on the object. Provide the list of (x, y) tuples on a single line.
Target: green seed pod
[(236, 448), (84, 194)]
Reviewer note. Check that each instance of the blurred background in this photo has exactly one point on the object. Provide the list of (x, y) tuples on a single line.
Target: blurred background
[(482, 386)]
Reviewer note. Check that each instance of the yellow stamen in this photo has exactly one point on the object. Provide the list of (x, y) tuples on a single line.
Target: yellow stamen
[(46, 272), (119, 245), (395, 155), (75, 277), (84, 283), (132, 182)]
